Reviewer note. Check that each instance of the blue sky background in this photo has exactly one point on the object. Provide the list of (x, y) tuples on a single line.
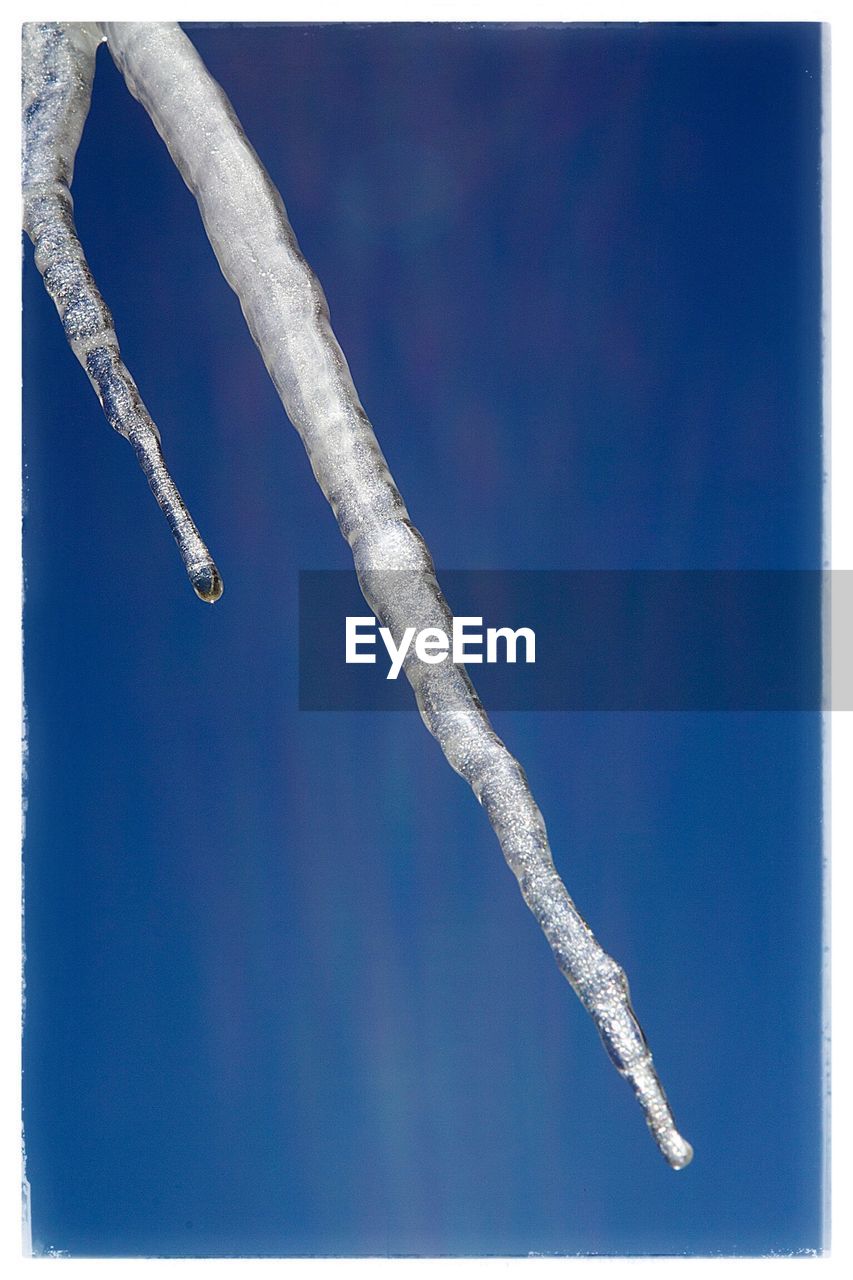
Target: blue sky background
[(283, 996)]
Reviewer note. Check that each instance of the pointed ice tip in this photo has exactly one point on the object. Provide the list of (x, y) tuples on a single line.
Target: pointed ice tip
[(206, 581)]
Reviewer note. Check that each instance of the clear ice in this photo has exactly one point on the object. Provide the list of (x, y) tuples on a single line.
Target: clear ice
[(58, 66), (285, 308)]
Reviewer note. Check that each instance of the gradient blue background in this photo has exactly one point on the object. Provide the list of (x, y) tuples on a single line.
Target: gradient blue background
[(283, 996)]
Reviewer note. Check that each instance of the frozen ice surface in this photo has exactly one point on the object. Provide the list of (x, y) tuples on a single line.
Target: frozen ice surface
[(286, 311), (58, 62)]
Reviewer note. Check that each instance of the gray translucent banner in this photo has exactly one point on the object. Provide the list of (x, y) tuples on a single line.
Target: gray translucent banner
[(742, 640)]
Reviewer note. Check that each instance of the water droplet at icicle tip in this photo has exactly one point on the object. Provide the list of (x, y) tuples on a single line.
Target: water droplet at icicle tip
[(206, 581)]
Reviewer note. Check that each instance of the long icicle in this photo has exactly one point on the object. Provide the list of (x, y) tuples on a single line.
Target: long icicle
[(58, 63), (287, 314)]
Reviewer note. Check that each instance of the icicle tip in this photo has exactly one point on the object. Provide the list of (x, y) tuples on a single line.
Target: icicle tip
[(207, 584), (677, 1151)]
